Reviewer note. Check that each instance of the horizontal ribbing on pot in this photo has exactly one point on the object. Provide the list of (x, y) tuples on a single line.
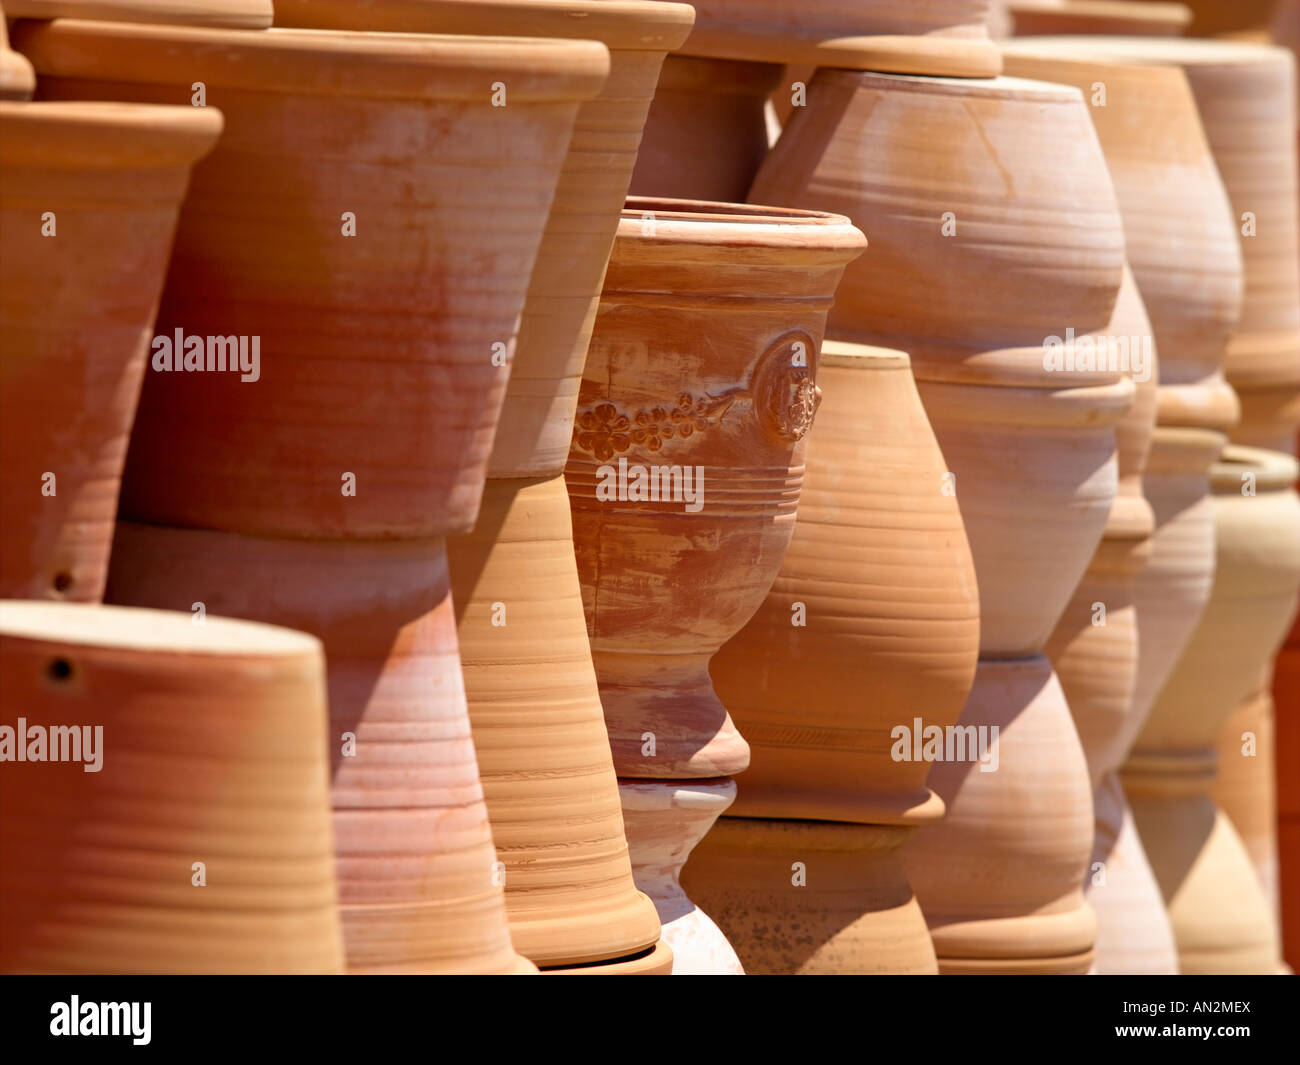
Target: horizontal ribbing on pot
[(234, 14), (396, 326), (88, 207), (940, 37), (419, 887), (200, 842)]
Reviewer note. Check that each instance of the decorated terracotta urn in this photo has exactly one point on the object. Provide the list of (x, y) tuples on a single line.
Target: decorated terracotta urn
[(708, 131), (961, 218), (88, 206), (686, 466), (876, 595), (539, 731), (352, 434), (1221, 917), (164, 800)]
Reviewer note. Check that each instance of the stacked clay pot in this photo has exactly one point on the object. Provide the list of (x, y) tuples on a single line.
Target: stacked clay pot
[(539, 732), (1185, 256), (1221, 918), (707, 133), (342, 222), (993, 226), (88, 207), (220, 725), (872, 623), (1095, 652), (702, 365)]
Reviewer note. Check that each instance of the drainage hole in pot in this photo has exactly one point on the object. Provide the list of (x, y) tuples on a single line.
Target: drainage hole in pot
[(62, 581), (59, 670)]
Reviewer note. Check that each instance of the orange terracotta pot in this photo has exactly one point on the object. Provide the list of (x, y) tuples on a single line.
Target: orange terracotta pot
[(233, 14), (665, 820), (706, 134), (263, 250), (17, 78), (419, 881), (543, 751), (810, 897), (88, 207), (943, 37), (1000, 877), (674, 383), (1221, 919), (1094, 650), (877, 590), (957, 304), (177, 820), (1137, 17)]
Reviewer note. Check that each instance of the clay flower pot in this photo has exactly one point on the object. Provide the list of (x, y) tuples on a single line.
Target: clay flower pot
[(88, 206), (186, 826), (1221, 918), (664, 823), (366, 439), (17, 79), (233, 14), (539, 730), (1137, 17), (673, 383), (810, 897), (1000, 877), (882, 573), (1094, 650)]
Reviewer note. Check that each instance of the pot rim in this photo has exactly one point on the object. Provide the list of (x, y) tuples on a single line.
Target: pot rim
[(104, 135), (1003, 87), (1152, 51), (140, 630), (851, 356), (1275, 471), (625, 25), (319, 62), (231, 14)]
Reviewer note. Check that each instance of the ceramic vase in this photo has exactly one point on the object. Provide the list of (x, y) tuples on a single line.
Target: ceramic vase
[(970, 159), (1094, 650), (713, 405), (89, 205), (1221, 918), (877, 590), (222, 726), (17, 79), (361, 439), (539, 731)]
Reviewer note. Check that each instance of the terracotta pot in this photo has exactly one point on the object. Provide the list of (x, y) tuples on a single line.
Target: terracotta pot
[(451, 287), (220, 725), (1174, 206), (235, 14), (1094, 651), (810, 897), (1212, 18), (539, 730), (957, 304), (1000, 877), (877, 590), (419, 885), (673, 381), (944, 37), (1221, 919), (17, 79), (706, 134), (1137, 17), (90, 198), (1246, 785), (543, 751), (665, 820)]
